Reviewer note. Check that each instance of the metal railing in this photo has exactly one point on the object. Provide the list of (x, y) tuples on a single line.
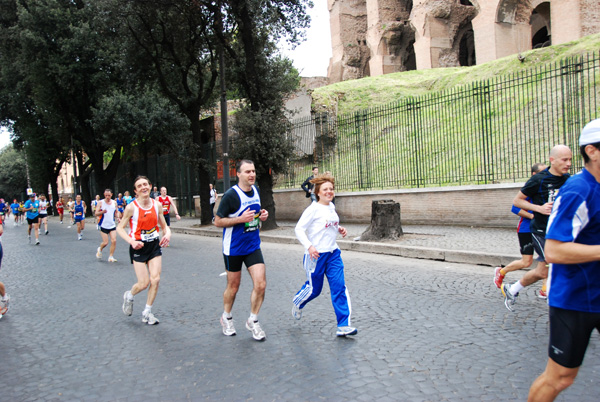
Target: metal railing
[(485, 132)]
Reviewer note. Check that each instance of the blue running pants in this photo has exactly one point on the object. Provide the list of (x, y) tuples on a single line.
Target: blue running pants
[(328, 264)]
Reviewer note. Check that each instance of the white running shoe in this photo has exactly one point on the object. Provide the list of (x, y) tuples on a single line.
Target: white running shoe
[(37, 242), (99, 254), (257, 332), (79, 237), (4, 305), (344, 331), (228, 328), (149, 319), (127, 304), (296, 311), (112, 259)]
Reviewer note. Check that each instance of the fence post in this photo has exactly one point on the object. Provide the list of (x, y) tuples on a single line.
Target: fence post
[(482, 93), (357, 125), (414, 107)]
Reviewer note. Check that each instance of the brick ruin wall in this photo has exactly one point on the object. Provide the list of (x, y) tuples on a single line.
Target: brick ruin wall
[(375, 37)]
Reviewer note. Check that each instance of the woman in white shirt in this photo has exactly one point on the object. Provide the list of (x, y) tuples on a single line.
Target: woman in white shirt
[(317, 230)]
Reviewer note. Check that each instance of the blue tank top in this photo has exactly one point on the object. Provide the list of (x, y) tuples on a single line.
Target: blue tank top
[(79, 210), (243, 239)]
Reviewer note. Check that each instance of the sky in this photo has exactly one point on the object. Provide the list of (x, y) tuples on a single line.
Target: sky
[(4, 138), (311, 58)]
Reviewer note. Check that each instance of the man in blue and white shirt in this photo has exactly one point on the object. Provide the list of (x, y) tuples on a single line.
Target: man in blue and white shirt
[(239, 214), (573, 249)]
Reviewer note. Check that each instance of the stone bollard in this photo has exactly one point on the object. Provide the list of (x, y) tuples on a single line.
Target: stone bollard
[(385, 221)]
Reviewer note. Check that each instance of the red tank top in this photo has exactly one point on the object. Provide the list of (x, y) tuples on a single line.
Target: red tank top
[(144, 222), (166, 204)]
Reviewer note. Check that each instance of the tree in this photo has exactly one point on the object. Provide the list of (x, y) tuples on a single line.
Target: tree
[(13, 175), (176, 40), (266, 80), (65, 62)]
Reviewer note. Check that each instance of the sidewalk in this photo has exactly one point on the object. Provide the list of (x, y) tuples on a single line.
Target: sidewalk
[(470, 245)]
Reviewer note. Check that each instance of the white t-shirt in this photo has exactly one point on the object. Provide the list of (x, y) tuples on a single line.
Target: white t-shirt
[(43, 207), (318, 226), (213, 196), (107, 220)]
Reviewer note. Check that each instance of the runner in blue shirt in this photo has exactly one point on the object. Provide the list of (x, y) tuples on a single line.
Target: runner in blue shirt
[(79, 211), (573, 249), (15, 211), (239, 214), (525, 240), (32, 207), (3, 209)]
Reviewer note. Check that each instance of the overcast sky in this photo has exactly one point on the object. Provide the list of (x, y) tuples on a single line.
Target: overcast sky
[(311, 58)]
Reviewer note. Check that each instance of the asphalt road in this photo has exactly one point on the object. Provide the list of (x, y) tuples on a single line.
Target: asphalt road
[(428, 331)]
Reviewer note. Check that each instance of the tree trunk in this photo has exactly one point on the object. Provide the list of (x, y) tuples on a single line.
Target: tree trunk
[(385, 221), (201, 138), (265, 183)]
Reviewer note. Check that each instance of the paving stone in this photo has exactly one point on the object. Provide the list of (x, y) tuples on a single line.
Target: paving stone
[(428, 330)]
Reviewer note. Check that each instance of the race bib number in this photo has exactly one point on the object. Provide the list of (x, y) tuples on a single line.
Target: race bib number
[(79, 214), (165, 209), (149, 235), (252, 225)]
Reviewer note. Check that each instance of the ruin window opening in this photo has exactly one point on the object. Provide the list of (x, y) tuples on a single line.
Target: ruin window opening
[(541, 39), (466, 49), (541, 33), (466, 3)]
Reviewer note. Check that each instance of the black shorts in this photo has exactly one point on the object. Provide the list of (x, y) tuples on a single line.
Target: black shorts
[(233, 263), (34, 220), (167, 219), (539, 242), (107, 231), (150, 250), (525, 243), (570, 333)]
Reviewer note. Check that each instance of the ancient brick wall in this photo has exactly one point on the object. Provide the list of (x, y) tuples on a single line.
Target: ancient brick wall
[(374, 37)]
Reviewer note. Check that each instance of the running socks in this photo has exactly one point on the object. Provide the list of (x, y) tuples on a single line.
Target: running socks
[(516, 288)]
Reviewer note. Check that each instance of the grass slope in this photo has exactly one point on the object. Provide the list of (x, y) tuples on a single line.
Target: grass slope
[(350, 96)]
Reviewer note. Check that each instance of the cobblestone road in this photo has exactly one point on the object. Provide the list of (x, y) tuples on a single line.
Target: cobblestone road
[(428, 331)]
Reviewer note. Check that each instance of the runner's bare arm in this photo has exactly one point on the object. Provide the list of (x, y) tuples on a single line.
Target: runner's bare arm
[(174, 207), (166, 239)]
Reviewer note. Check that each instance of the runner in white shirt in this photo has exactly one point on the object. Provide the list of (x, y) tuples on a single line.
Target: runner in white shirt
[(43, 213), (105, 213), (317, 230)]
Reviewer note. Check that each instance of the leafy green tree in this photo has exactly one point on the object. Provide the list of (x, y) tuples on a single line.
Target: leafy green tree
[(174, 44), (13, 174), (266, 80), (65, 62)]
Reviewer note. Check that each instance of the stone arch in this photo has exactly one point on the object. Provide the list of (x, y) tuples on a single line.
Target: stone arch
[(513, 11), (541, 28), (391, 38)]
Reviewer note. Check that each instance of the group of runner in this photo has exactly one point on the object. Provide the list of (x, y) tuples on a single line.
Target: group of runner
[(16, 209), (564, 214), (560, 221)]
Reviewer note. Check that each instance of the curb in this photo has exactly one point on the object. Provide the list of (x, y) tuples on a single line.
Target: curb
[(455, 256)]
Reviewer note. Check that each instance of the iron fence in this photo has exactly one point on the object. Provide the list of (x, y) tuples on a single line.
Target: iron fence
[(485, 132)]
